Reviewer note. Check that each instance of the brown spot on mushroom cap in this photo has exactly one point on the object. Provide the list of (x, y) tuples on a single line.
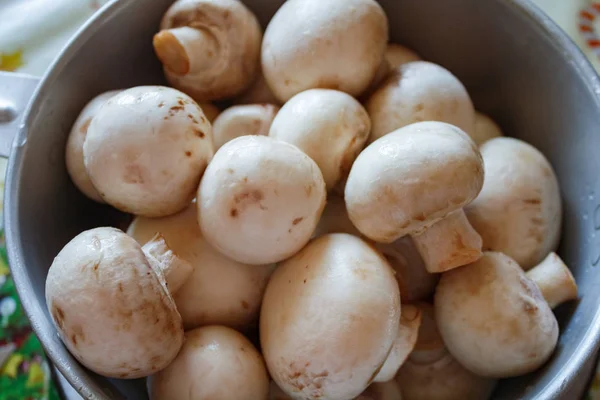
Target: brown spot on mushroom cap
[(297, 220), (233, 212), (133, 174), (84, 127), (253, 196), (58, 315), (188, 153), (309, 383), (198, 133), (532, 201), (245, 305), (249, 198), (362, 273), (308, 190)]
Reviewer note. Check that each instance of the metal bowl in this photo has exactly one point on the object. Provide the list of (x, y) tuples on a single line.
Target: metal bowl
[(518, 66)]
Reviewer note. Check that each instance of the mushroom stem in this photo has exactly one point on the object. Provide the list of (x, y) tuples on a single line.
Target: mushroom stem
[(554, 280), (449, 243), (167, 264), (410, 321), (184, 50)]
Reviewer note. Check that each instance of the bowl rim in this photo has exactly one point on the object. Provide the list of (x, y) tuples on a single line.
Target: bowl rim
[(35, 310)]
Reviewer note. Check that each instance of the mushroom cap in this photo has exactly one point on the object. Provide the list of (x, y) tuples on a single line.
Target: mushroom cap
[(237, 39), (419, 91), (412, 178), (249, 119), (111, 310), (74, 148), (324, 44), (146, 150), (258, 93), (519, 210), (330, 126), (485, 129), (329, 318), (494, 319), (431, 373), (215, 362), (219, 291), (260, 200), (397, 55)]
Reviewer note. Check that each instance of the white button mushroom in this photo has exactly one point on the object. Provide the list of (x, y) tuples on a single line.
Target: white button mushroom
[(74, 148), (260, 200), (493, 317), (413, 279), (519, 210), (410, 320), (258, 93), (397, 55), (215, 362), (324, 44), (209, 49), (219, 291), (328, 125), (431, 373), (236, 121), (110, 301), (416, 180), (146, 149), (329, 318), (485, 129), (419, 91)]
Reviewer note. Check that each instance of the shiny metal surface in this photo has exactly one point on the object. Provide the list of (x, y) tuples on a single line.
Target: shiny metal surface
[(518, 66), (15, 92)]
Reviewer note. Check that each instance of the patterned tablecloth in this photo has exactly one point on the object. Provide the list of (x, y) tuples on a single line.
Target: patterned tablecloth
[(32, 32)]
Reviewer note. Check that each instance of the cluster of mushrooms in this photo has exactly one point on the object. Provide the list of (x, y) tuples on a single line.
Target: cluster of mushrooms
[(384, 239)]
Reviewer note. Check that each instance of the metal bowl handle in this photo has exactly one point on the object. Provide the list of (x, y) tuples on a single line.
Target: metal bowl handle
[(15, 92)]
